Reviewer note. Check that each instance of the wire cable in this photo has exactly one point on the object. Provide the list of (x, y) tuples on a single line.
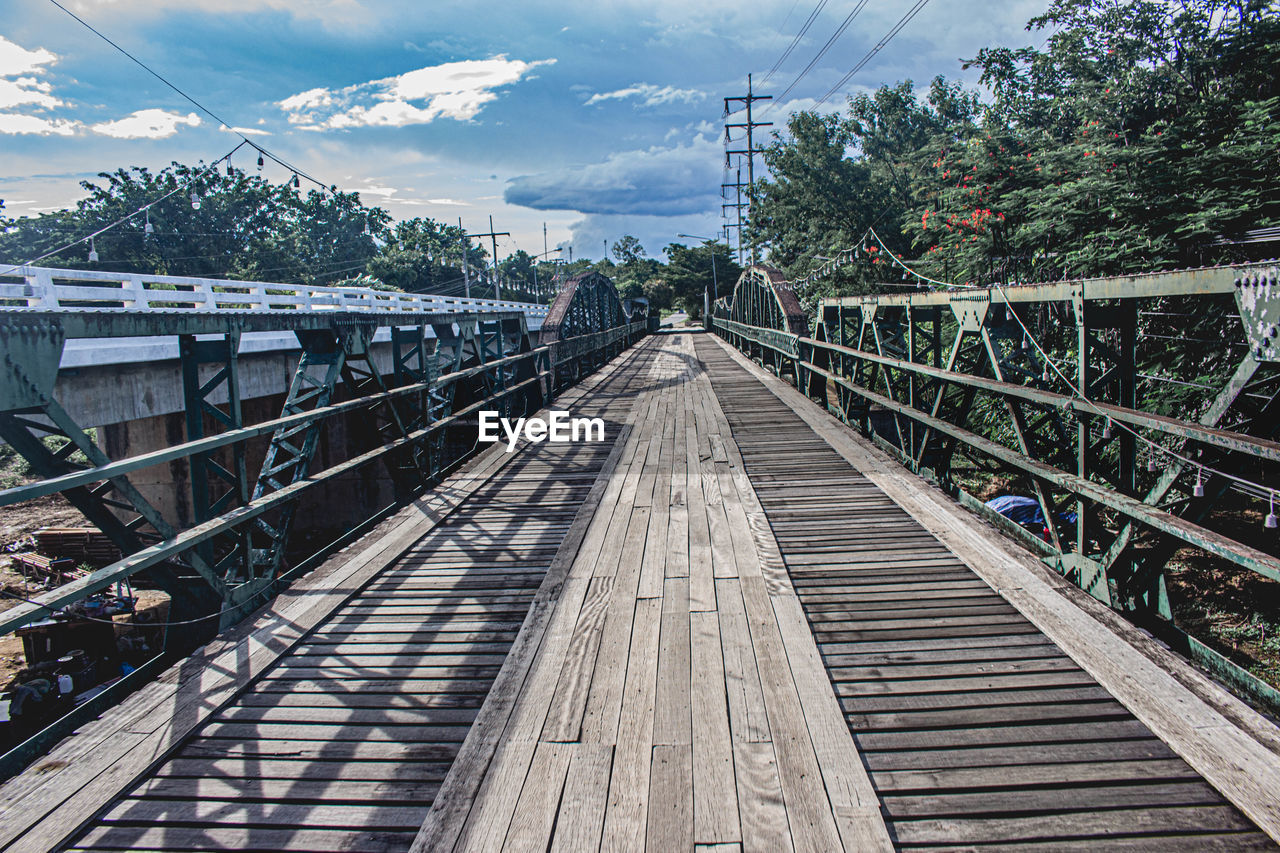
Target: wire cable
[(813, 16), (821, 53), (906, 19), (331, 188), (181, 186)]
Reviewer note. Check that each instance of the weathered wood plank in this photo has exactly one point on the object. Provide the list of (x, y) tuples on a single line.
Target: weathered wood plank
[(670, 816), (715, 800)]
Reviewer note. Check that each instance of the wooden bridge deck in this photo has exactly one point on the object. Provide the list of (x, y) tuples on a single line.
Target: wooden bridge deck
[(731, 626)]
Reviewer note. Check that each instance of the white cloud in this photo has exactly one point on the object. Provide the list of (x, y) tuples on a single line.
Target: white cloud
[(26, 88), (456, 90), (649, 95), (244, 131), (15, 123), (655, 233), (146, 124), (15, 60)]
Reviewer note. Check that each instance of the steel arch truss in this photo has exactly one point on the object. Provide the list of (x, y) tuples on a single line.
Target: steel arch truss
[(762, 303), (587, 304)]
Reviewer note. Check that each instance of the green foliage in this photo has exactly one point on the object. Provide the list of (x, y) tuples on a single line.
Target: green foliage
[(245, 228), (691, 273), (421, 255), (628, 250), (1133, 139)]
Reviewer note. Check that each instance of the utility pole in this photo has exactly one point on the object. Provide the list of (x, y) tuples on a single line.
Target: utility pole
[(493, 235), (545, 250), (466, 244), (737, 205), (751, 151)]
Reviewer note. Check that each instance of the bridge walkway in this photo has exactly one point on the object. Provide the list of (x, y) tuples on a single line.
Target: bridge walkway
[(732, 626), (328, 723)]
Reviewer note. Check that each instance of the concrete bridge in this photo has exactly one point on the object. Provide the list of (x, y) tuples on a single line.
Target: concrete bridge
[(734, 624)]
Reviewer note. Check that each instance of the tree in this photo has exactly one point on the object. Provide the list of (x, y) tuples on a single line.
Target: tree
[(205, 222), (421, 255), (690, 274), (1140, 134), (628, 250)]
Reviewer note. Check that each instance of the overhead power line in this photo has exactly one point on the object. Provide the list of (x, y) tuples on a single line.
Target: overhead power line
[(844, 25), (813, 16), (332, 188), (182, 185), (906, 19)]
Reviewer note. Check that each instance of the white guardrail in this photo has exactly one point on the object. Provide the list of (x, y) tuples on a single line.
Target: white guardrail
[(62, 289)]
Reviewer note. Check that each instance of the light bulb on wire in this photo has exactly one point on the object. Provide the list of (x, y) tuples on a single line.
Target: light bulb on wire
[(296, 183), (261, 162), (93, 252), (148, 228), (195, 200)]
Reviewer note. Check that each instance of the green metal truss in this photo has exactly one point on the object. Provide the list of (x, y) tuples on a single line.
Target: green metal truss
[(936, 376)]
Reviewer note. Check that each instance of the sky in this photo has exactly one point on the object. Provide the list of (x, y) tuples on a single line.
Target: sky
[(597, 118)]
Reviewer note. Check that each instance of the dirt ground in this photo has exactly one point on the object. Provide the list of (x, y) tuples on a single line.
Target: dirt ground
[(17, 524)]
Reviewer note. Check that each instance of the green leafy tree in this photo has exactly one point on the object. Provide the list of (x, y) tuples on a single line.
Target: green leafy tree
[(1135, 138), (421, 255), (690, 274), (207, 223), (628, 250)]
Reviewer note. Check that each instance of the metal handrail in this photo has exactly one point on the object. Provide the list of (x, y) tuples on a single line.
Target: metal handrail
[(53, 288)]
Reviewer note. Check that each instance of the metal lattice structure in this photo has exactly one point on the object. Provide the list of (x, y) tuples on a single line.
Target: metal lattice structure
[(587, 301), (937, 377), (445, 366)]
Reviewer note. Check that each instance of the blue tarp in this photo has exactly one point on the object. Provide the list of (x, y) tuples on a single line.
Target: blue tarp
[(1025, 511)]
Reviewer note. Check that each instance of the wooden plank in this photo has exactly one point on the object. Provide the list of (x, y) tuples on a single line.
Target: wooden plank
[(626, 814), (670, 817), (535, 812), (564, 718), (672, 717), (748, 720), (702, 590), (131, 737), (446, 820), (580, 821), (715, 801), (1232, 746), (171, 838), (760, 803)]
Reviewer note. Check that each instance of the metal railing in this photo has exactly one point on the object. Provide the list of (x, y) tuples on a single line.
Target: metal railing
[(51, 289), (1042, 385)]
